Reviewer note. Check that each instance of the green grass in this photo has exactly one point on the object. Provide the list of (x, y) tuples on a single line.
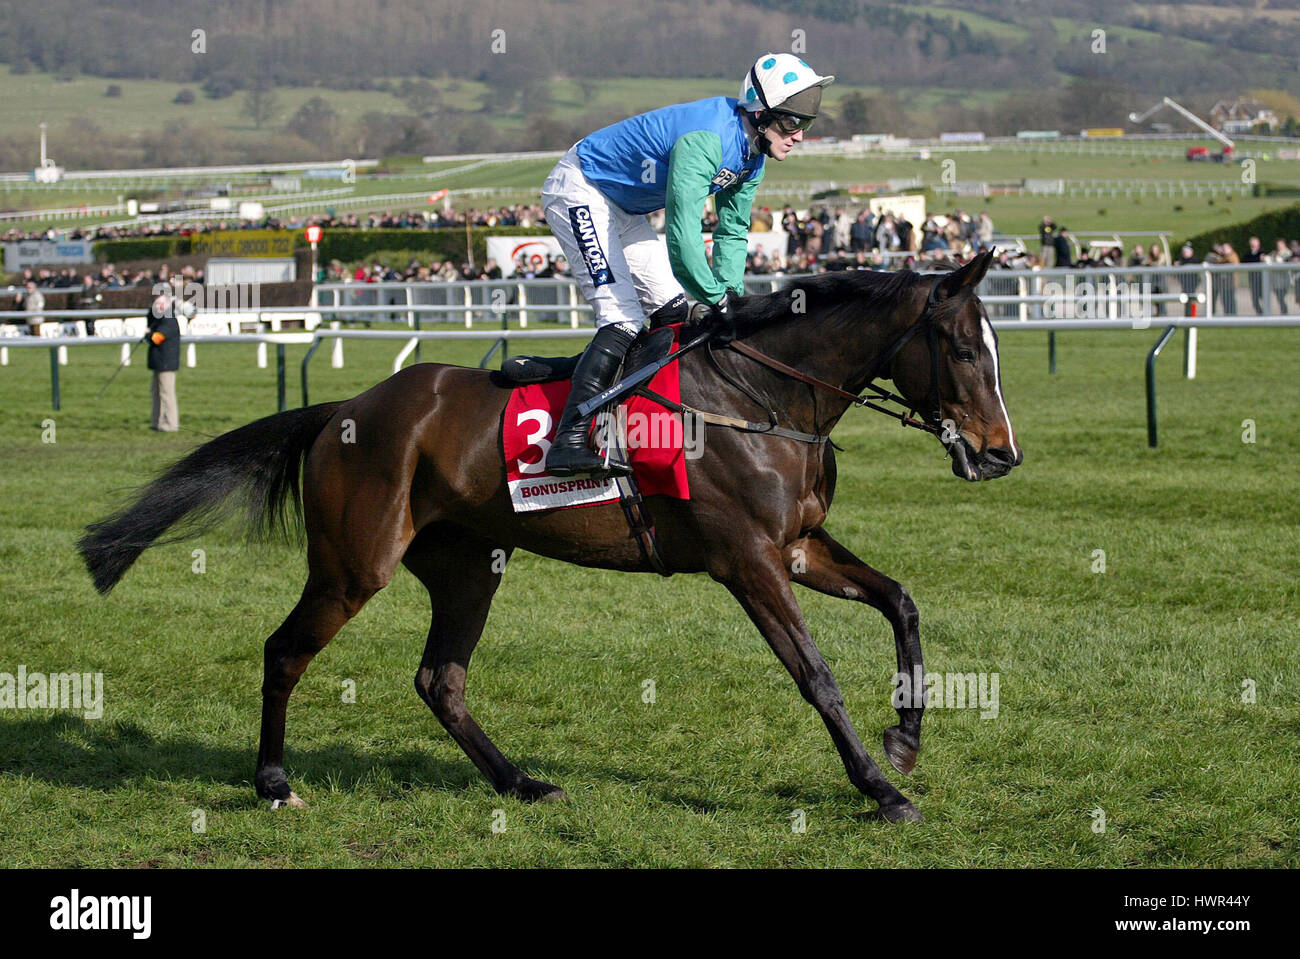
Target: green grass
[(1119, 691), (147, 105), (978, 23), (1021, 215)]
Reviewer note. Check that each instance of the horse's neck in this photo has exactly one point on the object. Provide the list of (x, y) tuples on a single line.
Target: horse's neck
[(837, 355), (836, 352)]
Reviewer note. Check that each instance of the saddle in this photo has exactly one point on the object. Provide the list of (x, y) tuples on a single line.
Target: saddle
[(647, 348)]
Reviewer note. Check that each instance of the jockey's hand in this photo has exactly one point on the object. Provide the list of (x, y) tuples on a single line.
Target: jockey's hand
[(157, 339), (716, 317)]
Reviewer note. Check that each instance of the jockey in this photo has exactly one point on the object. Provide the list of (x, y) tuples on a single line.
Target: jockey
[(674, 158)]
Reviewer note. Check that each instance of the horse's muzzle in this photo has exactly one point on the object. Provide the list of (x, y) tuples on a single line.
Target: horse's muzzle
[(973, 467), (997, 461)]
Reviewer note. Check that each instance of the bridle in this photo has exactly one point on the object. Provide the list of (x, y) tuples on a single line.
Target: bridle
[(873, 394)]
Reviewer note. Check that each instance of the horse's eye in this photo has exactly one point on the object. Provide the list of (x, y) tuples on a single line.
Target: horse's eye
[(966, 356)]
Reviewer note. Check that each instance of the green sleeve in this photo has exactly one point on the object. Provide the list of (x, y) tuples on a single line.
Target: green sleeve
[(731, 238), (692, 165)]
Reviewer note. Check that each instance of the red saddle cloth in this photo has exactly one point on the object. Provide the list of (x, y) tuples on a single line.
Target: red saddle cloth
[(654, 436)]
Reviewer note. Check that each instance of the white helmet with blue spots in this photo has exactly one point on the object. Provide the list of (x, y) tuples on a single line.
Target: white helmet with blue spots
[(783, 83)]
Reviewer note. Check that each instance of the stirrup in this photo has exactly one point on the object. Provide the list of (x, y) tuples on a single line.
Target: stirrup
[(587, 462)]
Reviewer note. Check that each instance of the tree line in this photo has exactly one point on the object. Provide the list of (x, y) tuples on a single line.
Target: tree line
[(515, 43)]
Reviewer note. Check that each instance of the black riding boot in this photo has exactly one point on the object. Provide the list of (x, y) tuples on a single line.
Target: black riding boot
[(570, 453)]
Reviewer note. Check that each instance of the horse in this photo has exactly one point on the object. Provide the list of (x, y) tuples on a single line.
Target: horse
[(421, 482)]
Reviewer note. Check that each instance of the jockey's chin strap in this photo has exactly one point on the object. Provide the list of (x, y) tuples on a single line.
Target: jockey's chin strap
[(874, 394)]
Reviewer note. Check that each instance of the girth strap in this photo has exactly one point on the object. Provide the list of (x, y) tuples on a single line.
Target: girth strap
[(638, 521)]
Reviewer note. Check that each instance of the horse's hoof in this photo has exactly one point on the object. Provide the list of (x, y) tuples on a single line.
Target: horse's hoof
[(901, 749), (532, 790), (900, 812), (293, 802)]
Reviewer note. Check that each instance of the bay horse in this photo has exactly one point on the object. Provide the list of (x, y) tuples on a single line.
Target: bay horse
[(422, 482)]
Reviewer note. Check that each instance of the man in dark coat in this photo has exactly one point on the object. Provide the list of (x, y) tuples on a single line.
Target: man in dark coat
[(164, 359), (1061, 244)]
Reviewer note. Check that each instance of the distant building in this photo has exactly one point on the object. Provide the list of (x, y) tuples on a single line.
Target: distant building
[(1242, 116)]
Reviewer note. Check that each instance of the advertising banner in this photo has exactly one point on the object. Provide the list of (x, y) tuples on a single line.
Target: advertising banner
[(26, 253), (244, 243)]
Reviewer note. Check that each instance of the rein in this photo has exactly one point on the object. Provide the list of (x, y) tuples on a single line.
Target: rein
[(874, 394)]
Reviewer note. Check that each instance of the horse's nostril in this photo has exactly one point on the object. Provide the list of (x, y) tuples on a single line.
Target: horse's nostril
[(1003, 457)]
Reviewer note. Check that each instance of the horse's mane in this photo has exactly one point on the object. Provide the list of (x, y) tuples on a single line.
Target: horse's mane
[(849, 291)]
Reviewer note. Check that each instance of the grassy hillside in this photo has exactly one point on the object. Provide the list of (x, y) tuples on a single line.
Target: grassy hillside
[(942, 65)]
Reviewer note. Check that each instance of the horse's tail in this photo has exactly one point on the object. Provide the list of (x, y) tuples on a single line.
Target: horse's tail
[(261, 461)]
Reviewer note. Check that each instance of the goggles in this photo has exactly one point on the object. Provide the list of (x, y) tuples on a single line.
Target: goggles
[(789, 124)]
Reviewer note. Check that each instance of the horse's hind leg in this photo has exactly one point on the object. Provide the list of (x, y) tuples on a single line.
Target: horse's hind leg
[(462, 572), (320, 614), (357, 531)]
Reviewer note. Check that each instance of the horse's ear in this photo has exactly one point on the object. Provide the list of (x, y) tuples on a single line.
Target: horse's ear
[(965, 280)]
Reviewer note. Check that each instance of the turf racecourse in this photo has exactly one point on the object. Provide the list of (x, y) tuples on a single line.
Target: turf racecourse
[(1119, 691)]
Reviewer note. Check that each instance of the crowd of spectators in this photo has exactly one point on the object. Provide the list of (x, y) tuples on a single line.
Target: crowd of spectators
[(32, 285), (519, 215), (444, 271), (106, 277), (825, 238)]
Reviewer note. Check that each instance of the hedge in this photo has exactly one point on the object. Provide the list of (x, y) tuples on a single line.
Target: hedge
[(348, 246), (354, 246), (1267, 226), (141, 248), (1276, 189)]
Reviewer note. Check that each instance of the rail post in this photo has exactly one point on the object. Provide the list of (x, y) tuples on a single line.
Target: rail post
[(54, 376), (279, 377), (412, 319), (1151, 383)]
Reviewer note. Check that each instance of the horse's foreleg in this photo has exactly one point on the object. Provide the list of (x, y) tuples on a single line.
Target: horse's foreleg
[(819, 562), (462, 572), (761, 585)]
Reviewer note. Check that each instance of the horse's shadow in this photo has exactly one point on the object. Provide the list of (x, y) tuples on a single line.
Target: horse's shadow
[(66, 750)]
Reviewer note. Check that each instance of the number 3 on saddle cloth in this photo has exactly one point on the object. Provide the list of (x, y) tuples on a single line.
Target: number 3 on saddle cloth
[(651, 436)]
